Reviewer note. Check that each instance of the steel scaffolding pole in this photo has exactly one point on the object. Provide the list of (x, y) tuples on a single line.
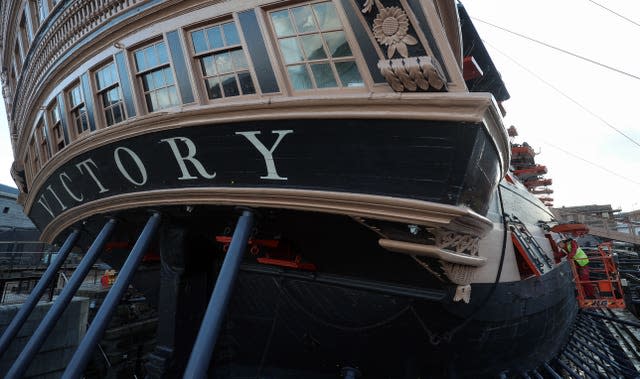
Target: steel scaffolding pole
[(32, 347), (37, 292), (84, 352), (212, 321)]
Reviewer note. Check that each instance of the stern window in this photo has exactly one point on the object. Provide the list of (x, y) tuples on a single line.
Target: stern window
[(57, 134), (154, 70), (43, 144), (77, 111), (223, 62), (110, 95), (314, 48)]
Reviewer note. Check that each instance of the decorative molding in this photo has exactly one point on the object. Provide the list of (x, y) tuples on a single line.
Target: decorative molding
[(405, 211), (456, 242), (412, 74), (432, 251)]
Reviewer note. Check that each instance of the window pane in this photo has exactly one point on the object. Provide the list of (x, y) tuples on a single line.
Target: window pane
[(157, 80), (231, 34), (106, 76), (208, 65), (215, 37), (299, 77), (223, 61), (108, 117), (313, 48), (282, 23), (349, 74), (151, 103), (239, 59), (164, 98), (151, 57), (338, 46), (162, 53), (173, 95), (291, 50), (199, 43), (85, 122), (146, 82), (246, 83), (117, 114), (114, 95), (230, 85), (327, 16), (105, 100), (213, 88), (304, 19), (168, 76), (75, 96), (323, 75), (55, 113), (140, 60)]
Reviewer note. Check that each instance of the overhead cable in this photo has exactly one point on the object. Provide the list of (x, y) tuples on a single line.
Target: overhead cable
[(591, 163), (614, 12), (564, 94), (559, 49)]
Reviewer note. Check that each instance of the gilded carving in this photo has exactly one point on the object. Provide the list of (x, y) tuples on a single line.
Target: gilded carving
[(411, 74), (390, 28)]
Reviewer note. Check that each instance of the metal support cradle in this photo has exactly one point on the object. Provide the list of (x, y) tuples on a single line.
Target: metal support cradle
[(37, 292), (80, 359), (212, 321), (32, 347)]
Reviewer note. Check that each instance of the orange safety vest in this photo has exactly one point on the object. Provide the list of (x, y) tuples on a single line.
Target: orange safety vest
[(580, 256)]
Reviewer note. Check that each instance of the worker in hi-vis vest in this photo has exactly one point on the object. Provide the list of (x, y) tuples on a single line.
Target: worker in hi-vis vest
[(573, 251)]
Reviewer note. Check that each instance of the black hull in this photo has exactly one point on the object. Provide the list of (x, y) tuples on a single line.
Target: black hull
[(454, 163), (301, 326)]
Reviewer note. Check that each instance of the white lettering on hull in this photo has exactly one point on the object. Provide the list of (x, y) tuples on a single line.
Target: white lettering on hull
[(190, 157), (267, 154), (183, 150)]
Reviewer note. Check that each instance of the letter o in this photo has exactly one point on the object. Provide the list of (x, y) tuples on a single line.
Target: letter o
[(136, 160)]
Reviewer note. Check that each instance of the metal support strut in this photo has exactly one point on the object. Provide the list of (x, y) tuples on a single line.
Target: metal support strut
[(37, 292), (212, 321), (80, 359), (32, 347)]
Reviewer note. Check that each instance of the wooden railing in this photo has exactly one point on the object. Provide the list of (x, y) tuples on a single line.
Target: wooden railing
[(60, 32)]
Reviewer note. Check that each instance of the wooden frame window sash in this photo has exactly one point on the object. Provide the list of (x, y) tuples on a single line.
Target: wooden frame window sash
[(224, 66), (313, 45), (57, 134), (109, 94), (156, 77), (77, 110), (43, 143)]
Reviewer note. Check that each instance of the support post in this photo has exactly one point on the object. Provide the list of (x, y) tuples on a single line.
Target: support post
[(79, 361), (32, 347), (185, 283), (27, 307), (210, 327)]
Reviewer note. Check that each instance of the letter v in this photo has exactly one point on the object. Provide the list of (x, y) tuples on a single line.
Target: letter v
[(45, 204)]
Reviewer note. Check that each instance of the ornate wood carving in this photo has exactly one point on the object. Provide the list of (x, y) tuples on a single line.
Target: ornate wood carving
[(413, 74)]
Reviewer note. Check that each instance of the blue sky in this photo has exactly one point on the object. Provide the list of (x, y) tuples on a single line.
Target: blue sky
[(563, 133)]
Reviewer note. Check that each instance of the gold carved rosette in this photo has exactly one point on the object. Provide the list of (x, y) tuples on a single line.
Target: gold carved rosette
[(413, 70)]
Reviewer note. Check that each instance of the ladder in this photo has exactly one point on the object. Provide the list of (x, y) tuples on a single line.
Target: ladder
[(528, 247)]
